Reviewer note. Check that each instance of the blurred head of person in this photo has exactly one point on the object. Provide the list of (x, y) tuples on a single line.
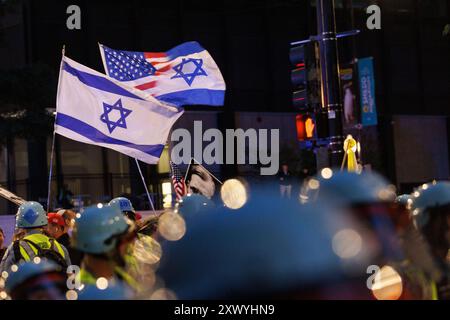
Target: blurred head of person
[(56, 226), (39, 279), (103, 232), (284, 167), (268, 248), (370, 199), (69, 218), (431, 213)]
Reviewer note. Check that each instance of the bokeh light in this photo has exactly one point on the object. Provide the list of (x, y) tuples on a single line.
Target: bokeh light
[(71, 295), (163, 294), (234, 194), (313, 184), (102, 283), (387, 284), (347, 243), (326, 173), (171, 226), (147, 250)]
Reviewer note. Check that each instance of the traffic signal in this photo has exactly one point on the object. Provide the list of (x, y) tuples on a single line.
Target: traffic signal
[(299, 77), (306, 126), (305, 76)]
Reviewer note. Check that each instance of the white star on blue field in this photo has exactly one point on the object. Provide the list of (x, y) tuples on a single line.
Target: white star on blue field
[(107, 108), (189, 63), (127, 65)]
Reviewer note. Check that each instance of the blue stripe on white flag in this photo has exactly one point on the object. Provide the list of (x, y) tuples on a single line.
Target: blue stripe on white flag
[(194, 96), (95, 135), (97, 82), (184, 49)]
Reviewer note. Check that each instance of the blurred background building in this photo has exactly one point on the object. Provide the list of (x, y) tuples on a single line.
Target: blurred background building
[(250, 41)]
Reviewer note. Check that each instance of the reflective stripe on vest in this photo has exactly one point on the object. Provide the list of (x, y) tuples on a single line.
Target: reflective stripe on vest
[(28, 251), (434, 291)]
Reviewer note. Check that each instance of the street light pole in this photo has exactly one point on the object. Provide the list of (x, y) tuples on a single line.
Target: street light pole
[(331, 85)]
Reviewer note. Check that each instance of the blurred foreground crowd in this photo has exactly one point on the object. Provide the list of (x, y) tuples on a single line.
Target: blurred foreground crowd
[(346, 236)]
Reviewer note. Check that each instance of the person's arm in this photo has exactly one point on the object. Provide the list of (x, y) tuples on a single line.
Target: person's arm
[(8, 259), (66, 255), (280, 175)]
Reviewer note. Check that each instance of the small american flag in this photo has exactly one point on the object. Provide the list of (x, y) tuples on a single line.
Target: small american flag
[(178, 181)]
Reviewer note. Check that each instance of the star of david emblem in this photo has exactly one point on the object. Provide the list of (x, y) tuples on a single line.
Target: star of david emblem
[(105, 117), (189, 69)]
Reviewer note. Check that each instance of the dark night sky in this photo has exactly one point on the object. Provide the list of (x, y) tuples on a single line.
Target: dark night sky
[(249, 39)]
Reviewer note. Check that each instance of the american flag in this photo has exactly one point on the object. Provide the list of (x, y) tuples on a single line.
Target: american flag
[(178, 181), (127, 65), (183, 75)]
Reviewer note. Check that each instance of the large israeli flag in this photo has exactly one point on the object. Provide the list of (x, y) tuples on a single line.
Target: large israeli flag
[(95, 109)]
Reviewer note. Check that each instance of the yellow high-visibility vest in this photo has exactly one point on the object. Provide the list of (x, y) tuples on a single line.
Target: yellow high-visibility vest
[(28, 251), (88, 278)]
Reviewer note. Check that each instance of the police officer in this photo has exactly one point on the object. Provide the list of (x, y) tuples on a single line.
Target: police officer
[(144, 251), (372, 200), (125, 206), (431, 212), (269, 248), (103, 234), (31, 220), (40, 279)]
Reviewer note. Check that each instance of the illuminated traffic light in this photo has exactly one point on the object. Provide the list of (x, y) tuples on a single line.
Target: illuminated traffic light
[(305, 125)]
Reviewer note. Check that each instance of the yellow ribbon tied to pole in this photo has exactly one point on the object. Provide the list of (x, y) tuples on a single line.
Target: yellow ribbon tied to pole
[(350, 146)]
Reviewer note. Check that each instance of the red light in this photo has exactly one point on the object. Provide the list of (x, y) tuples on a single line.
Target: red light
[(300, 65)]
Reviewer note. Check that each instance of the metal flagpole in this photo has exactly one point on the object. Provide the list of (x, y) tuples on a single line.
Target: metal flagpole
[(53, 142), (50, 172), (145, 185)]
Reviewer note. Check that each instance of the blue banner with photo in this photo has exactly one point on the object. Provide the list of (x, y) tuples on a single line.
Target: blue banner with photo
[(367, 92)]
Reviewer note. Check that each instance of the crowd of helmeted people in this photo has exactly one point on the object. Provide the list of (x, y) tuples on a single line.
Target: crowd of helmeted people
[(346, 236)]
